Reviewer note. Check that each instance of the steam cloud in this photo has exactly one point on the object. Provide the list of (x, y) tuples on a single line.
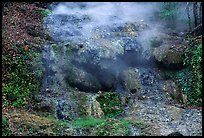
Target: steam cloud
[(107, 15)]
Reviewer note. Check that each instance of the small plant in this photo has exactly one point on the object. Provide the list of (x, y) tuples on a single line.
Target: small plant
[(45, 12)]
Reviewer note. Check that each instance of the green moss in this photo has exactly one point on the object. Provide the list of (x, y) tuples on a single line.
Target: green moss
[(87, 122), (45, 12), (110, 104), (111, 127), (101, 127), (81, 101), (137, 123), (56, 48), (82, 106)]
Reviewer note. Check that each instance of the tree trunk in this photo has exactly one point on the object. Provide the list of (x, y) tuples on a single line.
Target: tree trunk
[(195, 12), (200, 13), (188, 14)]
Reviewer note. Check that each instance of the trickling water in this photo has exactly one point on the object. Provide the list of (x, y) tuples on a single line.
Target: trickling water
[(90, 102), (47, 60), (54, 86)]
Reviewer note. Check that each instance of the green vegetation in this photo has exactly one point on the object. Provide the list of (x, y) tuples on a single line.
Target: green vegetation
[(103, 127), (82, 106), (191, 78), (5, 127), (135, 122), (110, 104), (112, 127), (23, 81), (45, 12), (87, 122), (193, 58), (168, 12)]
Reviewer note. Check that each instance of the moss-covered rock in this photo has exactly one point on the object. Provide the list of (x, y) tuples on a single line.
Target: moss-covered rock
[(169, 50), (169, 57), (28, 124), (56, 49), (44, 104)]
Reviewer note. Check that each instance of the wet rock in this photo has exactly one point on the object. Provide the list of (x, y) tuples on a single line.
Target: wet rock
[(131, 45), (131, 81), (174, 112), (168, 56), (170, 88), (66, 110), (63, 27), (170, 51), (82, 80), (44, 104), (175, 134), (100, 61), (109, 49), (153, 130)]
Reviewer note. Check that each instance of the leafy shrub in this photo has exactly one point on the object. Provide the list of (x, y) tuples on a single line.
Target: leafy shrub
[(190, 79), (22, 80), (185, 80), (110, 104)]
